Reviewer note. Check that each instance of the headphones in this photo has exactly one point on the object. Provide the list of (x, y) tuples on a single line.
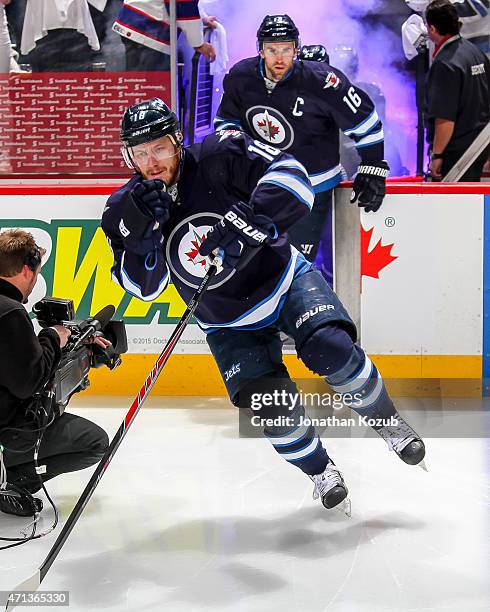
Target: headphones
[(33, 259)]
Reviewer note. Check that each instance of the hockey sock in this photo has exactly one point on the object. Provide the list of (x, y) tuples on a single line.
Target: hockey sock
[(360, 379), (299, 444)]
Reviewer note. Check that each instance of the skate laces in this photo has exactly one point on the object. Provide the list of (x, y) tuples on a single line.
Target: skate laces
[(328, 479), (398, 436), (3, 470)]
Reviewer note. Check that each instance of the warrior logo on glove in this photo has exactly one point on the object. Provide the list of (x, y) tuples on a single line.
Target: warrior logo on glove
[(369, 188)]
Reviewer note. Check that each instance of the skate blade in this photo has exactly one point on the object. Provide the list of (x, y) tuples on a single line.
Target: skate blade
[(423, 465), (344, 507)]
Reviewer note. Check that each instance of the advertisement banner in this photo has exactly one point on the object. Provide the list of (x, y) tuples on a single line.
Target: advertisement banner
[(78, 264), (69, 122), (421, 270)]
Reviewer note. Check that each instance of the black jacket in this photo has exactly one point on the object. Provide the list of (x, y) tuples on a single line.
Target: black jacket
[(26, 361)]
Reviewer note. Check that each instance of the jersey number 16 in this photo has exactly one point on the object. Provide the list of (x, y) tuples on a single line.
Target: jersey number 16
[(352, 100)]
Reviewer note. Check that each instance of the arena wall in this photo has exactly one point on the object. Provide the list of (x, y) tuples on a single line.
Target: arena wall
[(423, 288)]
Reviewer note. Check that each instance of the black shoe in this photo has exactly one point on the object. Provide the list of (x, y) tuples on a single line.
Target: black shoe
[(18, 501)]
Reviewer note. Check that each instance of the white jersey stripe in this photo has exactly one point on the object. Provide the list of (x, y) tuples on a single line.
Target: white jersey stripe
[(267, 306), (371, 139), (134, 289), (363, 127), (316, 179), (291, 182)]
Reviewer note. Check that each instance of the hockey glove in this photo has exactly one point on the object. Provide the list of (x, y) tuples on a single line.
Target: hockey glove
[(139, 231), (151, 197), (238, 232), (369, 186)]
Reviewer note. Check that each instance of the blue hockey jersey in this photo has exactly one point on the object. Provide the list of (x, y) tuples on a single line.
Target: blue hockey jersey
[(226, 167), (302, 115)]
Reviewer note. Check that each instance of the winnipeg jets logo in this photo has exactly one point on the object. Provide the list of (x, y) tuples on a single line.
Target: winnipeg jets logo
[(332, 80), (268, 128), (182, 251), (270, 125), (193, 254)]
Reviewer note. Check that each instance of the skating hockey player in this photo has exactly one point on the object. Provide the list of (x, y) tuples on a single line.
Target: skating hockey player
[(299, 106), (241, 196)]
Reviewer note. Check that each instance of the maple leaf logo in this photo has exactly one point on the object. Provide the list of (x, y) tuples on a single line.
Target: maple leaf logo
[(376, 259), (194, 252), (270, 130)]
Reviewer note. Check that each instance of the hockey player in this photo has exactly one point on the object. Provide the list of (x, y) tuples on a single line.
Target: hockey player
[(299, 106), (241, 196), (314, 53)]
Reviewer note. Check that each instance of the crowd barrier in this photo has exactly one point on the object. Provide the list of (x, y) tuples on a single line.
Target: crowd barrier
[(415, 276)]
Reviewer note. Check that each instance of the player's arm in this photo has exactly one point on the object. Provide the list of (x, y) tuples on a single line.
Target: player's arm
[(355, 114), (272, 192), (135, 238), (273, 182), (229, 111), (189, 20)]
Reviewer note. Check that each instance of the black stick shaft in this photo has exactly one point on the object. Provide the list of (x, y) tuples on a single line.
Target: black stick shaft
[(121, 432)]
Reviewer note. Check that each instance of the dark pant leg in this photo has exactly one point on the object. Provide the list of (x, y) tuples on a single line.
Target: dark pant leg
[(62, 50), (69, 444), (307, 233), (474, 172), (144, 59)]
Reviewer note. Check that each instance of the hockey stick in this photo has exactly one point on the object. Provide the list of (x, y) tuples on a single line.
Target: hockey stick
[(33, 582)]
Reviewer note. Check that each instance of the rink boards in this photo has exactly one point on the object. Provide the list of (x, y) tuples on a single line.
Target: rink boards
[(423, 263)]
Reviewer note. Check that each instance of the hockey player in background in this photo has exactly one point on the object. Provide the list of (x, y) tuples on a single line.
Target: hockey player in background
[(299, 106), (241, 196), (314, 53)]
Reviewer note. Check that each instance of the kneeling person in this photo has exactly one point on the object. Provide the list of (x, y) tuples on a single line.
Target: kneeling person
[(27, 362)]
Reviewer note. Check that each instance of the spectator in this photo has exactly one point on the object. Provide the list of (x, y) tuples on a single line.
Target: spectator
[(144, 27), (458, 93), (5, 44), (60, 36), (473, 14)]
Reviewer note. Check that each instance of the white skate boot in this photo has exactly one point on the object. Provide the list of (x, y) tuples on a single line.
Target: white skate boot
[(404, 441), (330, 487)]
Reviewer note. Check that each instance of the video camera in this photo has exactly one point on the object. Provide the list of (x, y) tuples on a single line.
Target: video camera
[(78, 356)]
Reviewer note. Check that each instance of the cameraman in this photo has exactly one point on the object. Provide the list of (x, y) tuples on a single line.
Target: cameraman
[(27, 362)]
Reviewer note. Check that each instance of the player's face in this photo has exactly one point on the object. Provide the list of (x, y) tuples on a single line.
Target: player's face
[(278, 58), (158, 159)]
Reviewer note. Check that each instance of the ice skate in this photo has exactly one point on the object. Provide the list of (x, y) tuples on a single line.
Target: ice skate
[(330, 488), (405, 442), (18, 501)]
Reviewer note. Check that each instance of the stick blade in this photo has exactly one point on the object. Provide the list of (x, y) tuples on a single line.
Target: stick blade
[(30, 584)]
